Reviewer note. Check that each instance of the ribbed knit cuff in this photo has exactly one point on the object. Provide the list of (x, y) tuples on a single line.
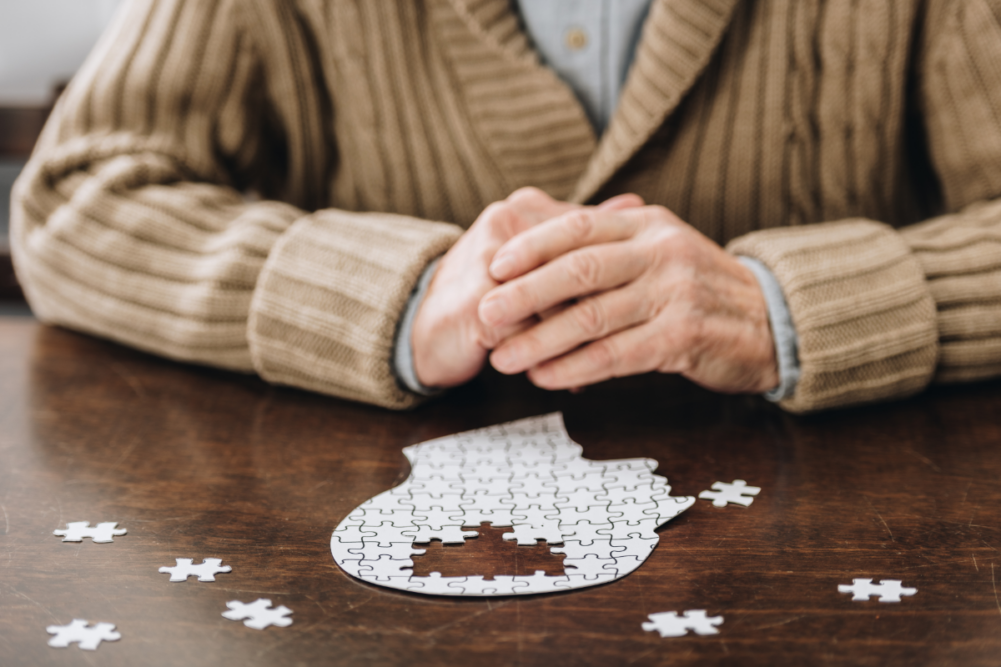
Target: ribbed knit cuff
[(959, 255), (327, 303), (861, 307)]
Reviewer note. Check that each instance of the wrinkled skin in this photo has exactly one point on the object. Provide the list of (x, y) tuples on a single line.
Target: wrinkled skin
[(575, 295)]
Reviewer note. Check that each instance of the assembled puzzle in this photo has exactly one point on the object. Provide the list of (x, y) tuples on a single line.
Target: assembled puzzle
[(525, 474)]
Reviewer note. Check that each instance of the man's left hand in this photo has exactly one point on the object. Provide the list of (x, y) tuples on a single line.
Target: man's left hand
[(624, 292)]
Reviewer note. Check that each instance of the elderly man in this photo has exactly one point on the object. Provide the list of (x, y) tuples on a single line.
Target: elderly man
[(256, 185)]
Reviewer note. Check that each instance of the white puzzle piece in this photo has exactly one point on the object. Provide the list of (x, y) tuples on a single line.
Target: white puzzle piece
[(669, 624), (88, 638), (101, 533), (527, 475), (888, 590), (738, 493), (258, 614), (205, 571)]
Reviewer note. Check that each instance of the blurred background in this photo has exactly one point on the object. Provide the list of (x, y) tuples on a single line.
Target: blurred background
[(42, 44)]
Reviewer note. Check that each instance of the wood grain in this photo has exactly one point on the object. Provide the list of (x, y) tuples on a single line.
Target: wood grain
[(200, 463)]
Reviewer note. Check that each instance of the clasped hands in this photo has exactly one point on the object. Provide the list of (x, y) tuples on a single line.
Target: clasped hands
[(573, 295)]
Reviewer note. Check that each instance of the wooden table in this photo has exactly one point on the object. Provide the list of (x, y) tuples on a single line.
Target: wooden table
[(196, 463)]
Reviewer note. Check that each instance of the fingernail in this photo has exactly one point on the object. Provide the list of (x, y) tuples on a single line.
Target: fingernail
[(501, 266), (503, 359), (492, 310)]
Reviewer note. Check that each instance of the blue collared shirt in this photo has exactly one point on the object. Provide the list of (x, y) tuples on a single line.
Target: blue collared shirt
[(590, 44)]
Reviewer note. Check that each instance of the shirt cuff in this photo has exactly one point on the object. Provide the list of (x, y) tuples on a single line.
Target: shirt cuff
[(783, 330), (403, 351)]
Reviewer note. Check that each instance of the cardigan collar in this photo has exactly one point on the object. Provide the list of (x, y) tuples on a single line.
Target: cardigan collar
[(496, 23), (678, 40)]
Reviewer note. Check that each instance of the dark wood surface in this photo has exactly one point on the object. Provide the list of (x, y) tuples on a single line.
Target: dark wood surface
[(200, 463)]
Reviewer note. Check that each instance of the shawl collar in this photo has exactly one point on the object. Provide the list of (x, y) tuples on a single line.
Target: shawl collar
[(679, 38), (530, 120)]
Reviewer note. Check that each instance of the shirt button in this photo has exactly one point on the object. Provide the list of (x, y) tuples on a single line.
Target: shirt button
[(576, 39)]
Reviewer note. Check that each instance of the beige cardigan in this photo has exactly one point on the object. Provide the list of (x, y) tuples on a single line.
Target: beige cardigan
[(805, 133)]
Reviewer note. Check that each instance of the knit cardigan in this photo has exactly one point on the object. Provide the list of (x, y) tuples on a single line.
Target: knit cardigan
[(258, 184)]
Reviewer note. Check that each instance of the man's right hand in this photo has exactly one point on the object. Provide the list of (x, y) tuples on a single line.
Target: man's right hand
[(450, 343)]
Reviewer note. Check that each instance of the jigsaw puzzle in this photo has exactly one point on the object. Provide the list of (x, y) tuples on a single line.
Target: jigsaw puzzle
[(258, 614), (77, 632), (101, 533), (525, 474), (205, 571), (669, 624), (738, 493), (888, 590)]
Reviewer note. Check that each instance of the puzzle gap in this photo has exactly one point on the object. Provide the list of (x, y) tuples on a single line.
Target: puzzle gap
[(489, 555)]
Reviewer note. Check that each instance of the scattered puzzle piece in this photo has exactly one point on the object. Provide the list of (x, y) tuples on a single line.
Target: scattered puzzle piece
[(669, 624), (527, 475), (88, 638), (888, 590), (736, 493), (205, 571), (101, 533), (258, 614)]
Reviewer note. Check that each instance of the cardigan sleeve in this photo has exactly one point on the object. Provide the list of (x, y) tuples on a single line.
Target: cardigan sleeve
[(132, 220), (881, 313)]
